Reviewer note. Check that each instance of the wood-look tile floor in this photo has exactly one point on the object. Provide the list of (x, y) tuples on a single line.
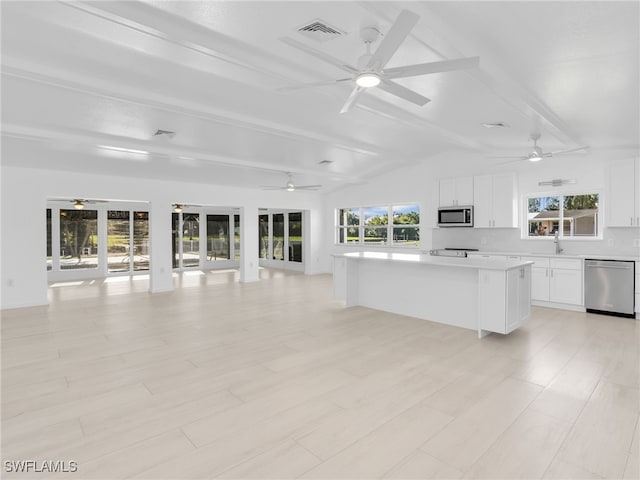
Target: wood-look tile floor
[(275, 379)]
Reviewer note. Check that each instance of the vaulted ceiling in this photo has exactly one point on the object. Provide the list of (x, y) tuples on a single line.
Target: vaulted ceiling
[(85, 85)]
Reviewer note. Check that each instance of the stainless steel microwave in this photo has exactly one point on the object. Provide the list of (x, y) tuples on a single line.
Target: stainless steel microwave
[(455, 216)]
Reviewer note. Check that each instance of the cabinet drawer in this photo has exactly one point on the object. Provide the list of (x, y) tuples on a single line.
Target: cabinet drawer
[(542, 262), (566, 263)]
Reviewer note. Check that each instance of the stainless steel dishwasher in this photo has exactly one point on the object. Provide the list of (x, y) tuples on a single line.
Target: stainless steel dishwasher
[(609, 287)]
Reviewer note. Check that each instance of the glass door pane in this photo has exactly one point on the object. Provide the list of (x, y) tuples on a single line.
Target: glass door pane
[(190, 240), (295, 237), (140, 241), (278, 236), (175, 240), (263, 236), (236, 237), (118, 241), (217, 237), (49, 240), (78, 239)]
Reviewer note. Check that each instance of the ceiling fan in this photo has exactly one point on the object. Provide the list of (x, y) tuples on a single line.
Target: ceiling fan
[(290, 186), (370, 71), (538, 154), (78, 203)]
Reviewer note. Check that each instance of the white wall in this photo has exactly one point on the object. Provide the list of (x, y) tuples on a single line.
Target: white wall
[(420, 183), (24, 199)]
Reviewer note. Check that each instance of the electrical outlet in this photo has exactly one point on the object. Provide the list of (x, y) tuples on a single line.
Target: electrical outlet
[(636, 242)]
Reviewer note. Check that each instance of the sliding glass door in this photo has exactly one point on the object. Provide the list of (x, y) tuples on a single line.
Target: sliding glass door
[(281, 239)]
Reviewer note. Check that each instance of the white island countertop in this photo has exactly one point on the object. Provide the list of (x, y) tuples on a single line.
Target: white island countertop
[(482, 294), (469, 262)]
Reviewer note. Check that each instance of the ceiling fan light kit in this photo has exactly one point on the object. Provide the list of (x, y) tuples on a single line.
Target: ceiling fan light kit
[(368, 80)]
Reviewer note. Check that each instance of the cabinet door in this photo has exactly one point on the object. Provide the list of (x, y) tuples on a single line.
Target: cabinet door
[(622, 209), (565, 286), (524, 294), (482, 201), (540, 283), (447, 192), (464, 190), (504, 201)]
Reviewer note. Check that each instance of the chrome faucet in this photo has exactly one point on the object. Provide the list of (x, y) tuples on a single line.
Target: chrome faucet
[(556, 240)]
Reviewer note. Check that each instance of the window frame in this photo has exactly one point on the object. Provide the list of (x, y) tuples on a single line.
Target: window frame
[(341, 230), (524, 232)]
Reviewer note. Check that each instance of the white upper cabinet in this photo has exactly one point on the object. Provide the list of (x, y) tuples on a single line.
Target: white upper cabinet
[(624, 194), (495, 201), (456, 191)]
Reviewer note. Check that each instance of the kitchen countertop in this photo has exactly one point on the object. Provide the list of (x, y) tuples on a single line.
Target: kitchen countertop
[(469, 262), (596, 256)]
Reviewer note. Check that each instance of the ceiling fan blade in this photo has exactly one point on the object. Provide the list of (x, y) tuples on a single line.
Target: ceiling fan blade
[(560, 152), (308, 187), (393, 39), (315, 84), (318, 54), (403, 92), (270, 187), (353, 98), (432, 67)]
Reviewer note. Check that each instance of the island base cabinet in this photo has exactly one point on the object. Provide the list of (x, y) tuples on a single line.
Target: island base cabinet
[(504, 300)]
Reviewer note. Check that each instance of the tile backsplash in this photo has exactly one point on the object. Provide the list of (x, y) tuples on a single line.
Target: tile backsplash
[(616, 241)]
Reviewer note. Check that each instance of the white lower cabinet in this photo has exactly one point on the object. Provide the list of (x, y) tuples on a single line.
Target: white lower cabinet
[(504, 299), (556, 280)]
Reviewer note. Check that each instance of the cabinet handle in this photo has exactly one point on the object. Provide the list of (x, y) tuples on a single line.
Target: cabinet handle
[(522, 273), (552, 272), (631, 221), (546, 272), (637, 221)]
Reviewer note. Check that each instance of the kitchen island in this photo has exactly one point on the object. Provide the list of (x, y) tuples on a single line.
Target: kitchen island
[(480, 294)]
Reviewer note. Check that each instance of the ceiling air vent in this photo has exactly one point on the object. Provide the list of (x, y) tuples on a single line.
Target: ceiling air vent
[(320, 31)]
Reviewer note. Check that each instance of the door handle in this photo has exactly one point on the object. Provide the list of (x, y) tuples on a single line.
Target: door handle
[(613, 267)]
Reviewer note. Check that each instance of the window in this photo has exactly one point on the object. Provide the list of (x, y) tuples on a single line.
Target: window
[(263, 236), (217, 237), (236, 237), (376, 221), (348, 225), (295, 237), (572, 216), (118, 241), (140, 241), (78, 239), (49, 240), (406, 225), (384, 226), (278, 236), (190, 239)]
